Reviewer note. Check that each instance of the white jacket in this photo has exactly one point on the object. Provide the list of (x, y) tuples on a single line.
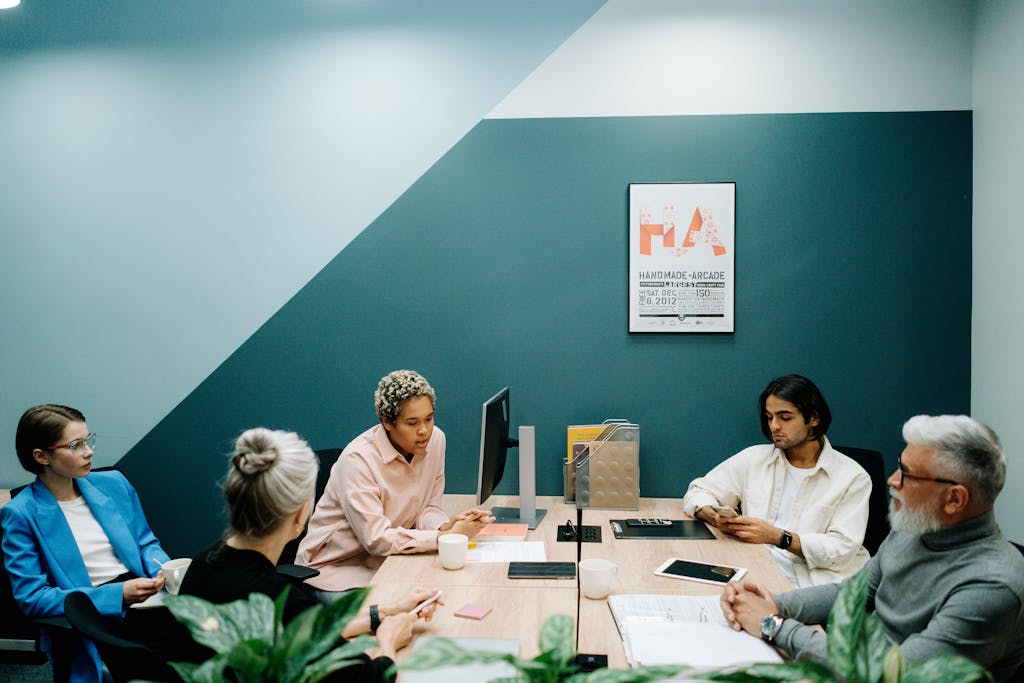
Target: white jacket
[(830, 511)]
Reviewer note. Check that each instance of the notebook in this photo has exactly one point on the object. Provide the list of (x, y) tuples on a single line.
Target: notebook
[(502, 532)]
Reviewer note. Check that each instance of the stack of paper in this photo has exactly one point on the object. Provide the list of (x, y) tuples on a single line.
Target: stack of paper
[(673, 629), (522, 551)]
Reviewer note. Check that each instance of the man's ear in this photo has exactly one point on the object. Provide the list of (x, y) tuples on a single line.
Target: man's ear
[(958, 497)]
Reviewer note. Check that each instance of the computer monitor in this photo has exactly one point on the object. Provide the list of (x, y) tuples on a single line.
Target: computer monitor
[(494, 445)]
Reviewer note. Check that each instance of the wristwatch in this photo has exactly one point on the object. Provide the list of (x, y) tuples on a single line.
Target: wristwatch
[(770, 626), (786, 540)]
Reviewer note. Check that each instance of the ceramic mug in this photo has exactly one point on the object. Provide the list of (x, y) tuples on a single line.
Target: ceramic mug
[(451, 548), (596, 576), (174, 573)]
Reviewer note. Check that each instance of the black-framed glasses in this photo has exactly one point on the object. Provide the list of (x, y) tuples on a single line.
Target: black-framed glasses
[(78, 445), (907, 475)]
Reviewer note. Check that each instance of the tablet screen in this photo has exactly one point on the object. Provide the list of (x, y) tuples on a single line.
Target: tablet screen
[(696, 570)]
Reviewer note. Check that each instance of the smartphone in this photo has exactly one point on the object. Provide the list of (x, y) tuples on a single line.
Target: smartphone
[(717, 574), (433, 598), (723, 511), (542, 570)]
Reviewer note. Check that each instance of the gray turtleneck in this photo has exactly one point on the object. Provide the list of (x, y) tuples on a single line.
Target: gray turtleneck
[(957, 590)]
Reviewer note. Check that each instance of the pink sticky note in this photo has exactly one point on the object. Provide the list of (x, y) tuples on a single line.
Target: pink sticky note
[(473, 612)]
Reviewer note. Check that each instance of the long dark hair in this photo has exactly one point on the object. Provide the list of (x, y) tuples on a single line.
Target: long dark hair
[(802, 393)]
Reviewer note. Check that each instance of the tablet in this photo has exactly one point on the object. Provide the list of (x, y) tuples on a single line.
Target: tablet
[(717, 574)]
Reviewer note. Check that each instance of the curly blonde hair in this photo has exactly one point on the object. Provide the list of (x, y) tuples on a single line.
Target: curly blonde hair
[(395, 388)]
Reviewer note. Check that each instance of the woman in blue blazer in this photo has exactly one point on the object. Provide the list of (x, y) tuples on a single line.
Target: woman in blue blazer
[(74, 531)]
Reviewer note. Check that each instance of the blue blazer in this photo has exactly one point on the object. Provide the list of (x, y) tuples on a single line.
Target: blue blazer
[(45, 564)]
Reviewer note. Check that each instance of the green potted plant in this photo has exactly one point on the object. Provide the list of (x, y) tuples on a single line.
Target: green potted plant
[(858, 652), (248, 638)]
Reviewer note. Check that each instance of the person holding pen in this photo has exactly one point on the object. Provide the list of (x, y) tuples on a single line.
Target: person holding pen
[(269, 492)]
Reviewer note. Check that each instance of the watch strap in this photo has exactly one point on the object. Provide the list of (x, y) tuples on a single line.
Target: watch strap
[(374, 618)]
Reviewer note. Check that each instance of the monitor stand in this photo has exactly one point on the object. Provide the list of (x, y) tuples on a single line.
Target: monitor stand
[(527, 512)]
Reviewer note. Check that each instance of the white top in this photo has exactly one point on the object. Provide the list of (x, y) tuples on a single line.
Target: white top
[(829, 510), (97, 552), (786, 560)]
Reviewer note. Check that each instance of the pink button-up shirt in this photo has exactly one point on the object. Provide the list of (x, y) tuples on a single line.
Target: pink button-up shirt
[(375, 504)]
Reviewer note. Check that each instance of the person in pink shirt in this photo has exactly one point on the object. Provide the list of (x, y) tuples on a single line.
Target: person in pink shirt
[(384, 493)]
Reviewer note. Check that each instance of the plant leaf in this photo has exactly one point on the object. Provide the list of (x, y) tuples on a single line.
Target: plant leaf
[(845, 626), (338, 658), (221, 627), (443, 652), (947, 668), (210, 671), (556, 637), (249, 659)]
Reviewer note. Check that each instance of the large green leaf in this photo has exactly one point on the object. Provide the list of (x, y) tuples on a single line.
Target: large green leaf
[(781, 671), (846, 646), (946, 668), (220, 627), (249, 660), (639, 675), (210, 671), (338, 658), (556, 637), (440, 652)]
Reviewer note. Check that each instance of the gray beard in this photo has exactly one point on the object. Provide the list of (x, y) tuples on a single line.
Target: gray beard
[(912, 521)]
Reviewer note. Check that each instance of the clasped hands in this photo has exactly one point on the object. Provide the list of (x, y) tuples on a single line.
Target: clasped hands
[(468, 522), (745, 604)]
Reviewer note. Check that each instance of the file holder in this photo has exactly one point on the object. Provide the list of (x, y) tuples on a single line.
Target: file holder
[(606, 473)]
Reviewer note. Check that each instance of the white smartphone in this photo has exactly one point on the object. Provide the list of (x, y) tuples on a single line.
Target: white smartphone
[(717, 574), (431, 599), (723, 511)]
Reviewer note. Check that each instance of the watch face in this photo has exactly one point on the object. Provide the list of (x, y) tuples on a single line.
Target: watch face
[(769, 626)]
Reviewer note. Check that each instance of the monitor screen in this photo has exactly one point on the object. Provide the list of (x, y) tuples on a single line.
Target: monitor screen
[(494, 444)]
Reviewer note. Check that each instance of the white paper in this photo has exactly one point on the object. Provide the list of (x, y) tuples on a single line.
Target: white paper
[(508, 551), (695, 643)]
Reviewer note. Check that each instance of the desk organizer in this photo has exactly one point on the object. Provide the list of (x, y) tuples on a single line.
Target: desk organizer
[(605, 472)]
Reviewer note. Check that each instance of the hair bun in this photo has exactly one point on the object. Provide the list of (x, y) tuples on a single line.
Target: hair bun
[(255, 451)]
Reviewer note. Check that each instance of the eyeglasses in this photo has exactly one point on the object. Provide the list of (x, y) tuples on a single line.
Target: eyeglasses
[(907, 475), (78, 445)]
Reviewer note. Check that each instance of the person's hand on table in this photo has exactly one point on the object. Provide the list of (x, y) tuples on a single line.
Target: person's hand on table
[(745, 604), (408, 601), (139, 590), (395, 632), (750, 529), (708, 514)]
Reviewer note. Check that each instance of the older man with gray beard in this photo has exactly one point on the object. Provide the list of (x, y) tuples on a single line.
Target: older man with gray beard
[(944, 581)]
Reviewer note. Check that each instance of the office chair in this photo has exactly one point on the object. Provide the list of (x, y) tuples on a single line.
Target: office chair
[(286, 564), (125, 659), (19, 635), (878, 503)]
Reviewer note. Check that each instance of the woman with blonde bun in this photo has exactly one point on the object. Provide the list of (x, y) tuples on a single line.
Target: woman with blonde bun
[(269, 493)]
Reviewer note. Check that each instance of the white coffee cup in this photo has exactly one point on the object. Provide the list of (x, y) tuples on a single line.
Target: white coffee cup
[(174, 573), (451, 548), (596, 576)]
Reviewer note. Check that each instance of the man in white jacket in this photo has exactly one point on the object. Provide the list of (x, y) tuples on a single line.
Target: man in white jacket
[(805, 500)]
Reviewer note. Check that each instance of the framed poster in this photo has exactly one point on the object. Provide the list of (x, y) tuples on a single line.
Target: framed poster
[(682, 257)]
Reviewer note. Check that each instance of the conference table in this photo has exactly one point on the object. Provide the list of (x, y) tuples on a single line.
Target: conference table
[(520, 606)]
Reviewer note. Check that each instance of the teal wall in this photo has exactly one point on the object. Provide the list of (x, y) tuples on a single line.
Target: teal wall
[(506, 264)]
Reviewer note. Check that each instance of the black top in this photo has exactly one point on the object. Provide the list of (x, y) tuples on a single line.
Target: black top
[(223, 574)]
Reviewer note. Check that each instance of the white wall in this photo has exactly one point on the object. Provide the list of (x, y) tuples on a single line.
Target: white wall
[(997, 373), (665, 57)]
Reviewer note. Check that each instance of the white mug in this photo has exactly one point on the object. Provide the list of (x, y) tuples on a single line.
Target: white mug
[(596, 576), (174, 573), (451, 548)]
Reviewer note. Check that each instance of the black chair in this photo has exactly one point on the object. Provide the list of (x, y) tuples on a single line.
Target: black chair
[(1019, 547), (286, 564), (878, 503), (19, 635), (126, 659)]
